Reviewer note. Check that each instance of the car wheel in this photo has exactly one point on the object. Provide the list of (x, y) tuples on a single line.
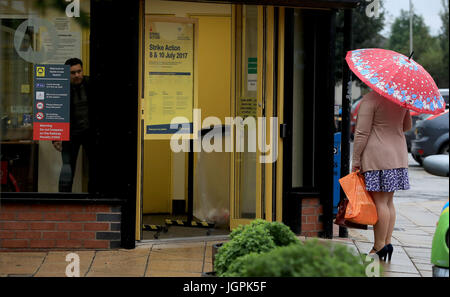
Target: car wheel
[(418, 159), (444, 149)]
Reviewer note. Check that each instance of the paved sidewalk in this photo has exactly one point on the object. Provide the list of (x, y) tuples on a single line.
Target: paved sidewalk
[(416, 222), (412, 237)]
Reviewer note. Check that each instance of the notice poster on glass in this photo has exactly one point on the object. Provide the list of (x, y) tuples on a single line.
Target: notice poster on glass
[(169, 77), (69, 41), (51, 120), (247, 107)]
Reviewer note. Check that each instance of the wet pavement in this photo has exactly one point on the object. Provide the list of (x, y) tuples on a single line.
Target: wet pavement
[(418, 211), (174, 259), (412, 240)]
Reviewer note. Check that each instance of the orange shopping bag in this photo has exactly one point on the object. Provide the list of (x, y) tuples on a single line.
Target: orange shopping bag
[(360, 209)]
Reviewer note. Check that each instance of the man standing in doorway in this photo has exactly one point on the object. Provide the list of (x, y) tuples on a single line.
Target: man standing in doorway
[(83, 130)]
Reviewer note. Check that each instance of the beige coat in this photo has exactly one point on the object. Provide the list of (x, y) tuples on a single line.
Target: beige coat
[(379, 141)]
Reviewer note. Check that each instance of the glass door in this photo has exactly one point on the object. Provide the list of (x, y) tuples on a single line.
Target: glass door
[(247, 203)]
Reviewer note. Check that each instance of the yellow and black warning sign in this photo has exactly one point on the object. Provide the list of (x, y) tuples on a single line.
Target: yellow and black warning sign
[(201, 224), (40, 71)]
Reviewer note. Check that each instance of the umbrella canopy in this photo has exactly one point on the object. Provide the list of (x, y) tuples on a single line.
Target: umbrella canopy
[(397, 78)]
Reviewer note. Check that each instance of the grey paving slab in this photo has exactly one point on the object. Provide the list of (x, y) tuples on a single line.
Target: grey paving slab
[(433, 206), (418, 252), (400, 274), (403, 267), (426, 273), (419, 218), (400, 262), (359, 235), (414, 240), (424, 260), (424, 267), (363, 247), (429, 230)]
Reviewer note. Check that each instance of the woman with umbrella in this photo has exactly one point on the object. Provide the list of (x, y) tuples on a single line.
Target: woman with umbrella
[(380, 152)]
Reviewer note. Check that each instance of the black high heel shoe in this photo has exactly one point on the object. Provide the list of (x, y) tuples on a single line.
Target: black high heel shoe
[(390, 251), (382, 253)]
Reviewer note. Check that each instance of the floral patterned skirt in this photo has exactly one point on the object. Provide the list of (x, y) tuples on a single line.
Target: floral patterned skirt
[(389, 180)]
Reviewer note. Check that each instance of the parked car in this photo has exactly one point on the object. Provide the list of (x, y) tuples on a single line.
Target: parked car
[(445, 95), (410, 135), (439, 247), (437, 165), (432, 137)]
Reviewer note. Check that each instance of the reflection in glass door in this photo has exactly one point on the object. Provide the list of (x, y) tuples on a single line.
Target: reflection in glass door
[(248, 107)]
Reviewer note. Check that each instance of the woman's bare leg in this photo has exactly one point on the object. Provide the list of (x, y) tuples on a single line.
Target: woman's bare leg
[(381, 228), (391, 219)]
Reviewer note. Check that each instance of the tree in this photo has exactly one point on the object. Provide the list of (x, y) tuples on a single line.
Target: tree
[(366, 33), (432, 60), (444, 40), (428, 51), (399, 39)]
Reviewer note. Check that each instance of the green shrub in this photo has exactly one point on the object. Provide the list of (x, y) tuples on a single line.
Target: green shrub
[(257, 237), (309, 259), (281, 234), (249, 240)]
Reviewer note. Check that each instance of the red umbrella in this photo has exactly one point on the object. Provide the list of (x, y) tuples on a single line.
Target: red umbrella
[(397, 78)]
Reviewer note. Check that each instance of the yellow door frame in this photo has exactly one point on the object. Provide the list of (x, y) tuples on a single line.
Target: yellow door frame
[(260, 107), (280, 113), (266, 89), (237, 81), (141, 103), (270, 102), (265, 101)]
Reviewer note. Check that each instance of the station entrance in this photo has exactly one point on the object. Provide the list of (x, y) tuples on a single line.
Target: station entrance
[(202, 66)]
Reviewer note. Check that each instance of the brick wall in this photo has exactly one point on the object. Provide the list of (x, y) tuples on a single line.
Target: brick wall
[(59, 226), (312, 212)]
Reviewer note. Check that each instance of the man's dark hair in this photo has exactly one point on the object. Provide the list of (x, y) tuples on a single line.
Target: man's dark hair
[(73, 62)]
